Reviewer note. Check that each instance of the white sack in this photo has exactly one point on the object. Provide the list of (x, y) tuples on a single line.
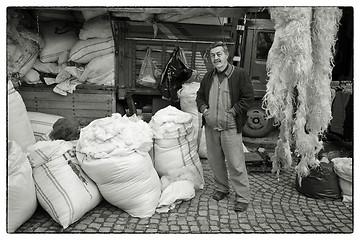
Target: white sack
[(100, 71), (21, 202), (343, 167), (99, 27), (32, 77), (58, 37), (90, 14), (62, 188), (187, 96), (174, 193), (19, 127), (175, 146), (84, 51), (128, 182), (52, 67), (42, 124)]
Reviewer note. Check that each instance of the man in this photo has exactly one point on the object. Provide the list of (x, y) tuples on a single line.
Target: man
[(223, 98)]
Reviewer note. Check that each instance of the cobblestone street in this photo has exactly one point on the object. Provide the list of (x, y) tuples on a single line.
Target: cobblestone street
[(276, 207)]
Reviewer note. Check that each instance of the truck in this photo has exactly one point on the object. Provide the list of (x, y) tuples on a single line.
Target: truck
[(248, 32)]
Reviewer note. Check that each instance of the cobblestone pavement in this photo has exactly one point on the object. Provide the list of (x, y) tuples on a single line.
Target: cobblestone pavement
[(276, 207)]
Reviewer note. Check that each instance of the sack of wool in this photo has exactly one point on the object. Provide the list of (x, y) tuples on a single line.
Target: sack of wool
[(32, 77), (58, 37), (20, 61), (84, 51), (90, 14), (175, 146), (343, 167), (113, 151), (21, 201), (62, 188), (23, 43), (19, 127), (42, 124), (52, 68), (100, 71), (99, 27), (187, 96)]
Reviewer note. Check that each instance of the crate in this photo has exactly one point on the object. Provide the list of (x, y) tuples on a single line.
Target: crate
[(85, 104)]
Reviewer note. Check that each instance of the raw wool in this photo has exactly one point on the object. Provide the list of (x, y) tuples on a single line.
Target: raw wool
[(62, 188), (325, 23), (289, 62), (116, 136), (325, 26), (21, 201), (300, 60)]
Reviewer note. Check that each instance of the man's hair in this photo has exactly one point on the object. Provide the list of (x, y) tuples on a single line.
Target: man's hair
[(219, 44)]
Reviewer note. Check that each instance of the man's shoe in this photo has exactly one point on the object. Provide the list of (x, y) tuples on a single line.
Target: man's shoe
[(219, 195), (240, 207)]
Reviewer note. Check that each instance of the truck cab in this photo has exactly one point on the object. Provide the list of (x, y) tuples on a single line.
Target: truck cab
[(255, 37)]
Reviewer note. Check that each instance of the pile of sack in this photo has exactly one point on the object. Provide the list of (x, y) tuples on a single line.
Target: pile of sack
[(58, 52), (137, 166)]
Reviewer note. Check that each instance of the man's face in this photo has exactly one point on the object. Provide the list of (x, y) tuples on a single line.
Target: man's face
[(219, 58)]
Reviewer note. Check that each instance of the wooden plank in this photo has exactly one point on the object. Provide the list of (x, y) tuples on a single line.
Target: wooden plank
[(91, 113), (99, 96), (69, 105)]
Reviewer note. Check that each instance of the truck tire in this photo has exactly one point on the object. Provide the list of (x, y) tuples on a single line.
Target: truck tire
[(257, 124)]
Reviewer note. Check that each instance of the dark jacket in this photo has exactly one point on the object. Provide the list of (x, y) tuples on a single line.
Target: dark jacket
[(241, 93)]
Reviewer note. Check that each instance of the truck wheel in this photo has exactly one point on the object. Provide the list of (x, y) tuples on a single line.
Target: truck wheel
[(257, 124)]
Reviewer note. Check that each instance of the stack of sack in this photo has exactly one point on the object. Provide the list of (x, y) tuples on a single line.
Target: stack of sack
[(21, 196), (63, 190), (89, 56), (175, 156), (114, 153), (343, 167), (95, 48), (57, 54)]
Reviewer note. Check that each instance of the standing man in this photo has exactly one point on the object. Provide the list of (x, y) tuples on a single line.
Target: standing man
[(223, 98)]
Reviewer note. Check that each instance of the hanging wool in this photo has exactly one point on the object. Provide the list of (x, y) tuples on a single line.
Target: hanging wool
[(289, 62), (324, 29), (298, 96), (324, 35)]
